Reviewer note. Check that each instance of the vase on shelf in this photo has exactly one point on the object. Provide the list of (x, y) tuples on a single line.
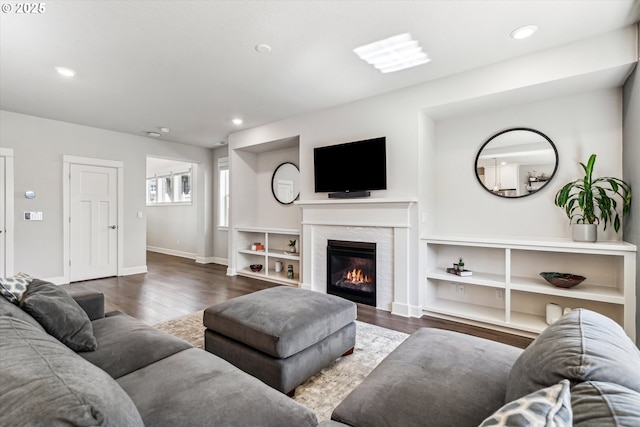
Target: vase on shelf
[(584, 232)]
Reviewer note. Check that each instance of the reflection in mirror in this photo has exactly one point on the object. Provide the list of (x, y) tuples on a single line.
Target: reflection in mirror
[(285, 183), (516, 162)]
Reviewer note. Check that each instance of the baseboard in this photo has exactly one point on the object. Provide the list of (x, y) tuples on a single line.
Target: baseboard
[(306, 286), (406, 310), (130, 271), (173, 252), (61, 280), (212, 260)]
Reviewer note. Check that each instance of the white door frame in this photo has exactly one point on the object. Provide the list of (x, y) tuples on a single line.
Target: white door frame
[(7, 153), (66, 207)]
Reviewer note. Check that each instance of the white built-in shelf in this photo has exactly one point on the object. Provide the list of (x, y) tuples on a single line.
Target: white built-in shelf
[(275, 241), (506, 291)]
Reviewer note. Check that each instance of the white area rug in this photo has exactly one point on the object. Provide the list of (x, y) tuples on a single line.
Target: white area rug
[(325, 390)]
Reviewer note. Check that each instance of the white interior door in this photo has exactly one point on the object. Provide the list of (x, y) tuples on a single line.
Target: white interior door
[(93, 222), (3, 228)]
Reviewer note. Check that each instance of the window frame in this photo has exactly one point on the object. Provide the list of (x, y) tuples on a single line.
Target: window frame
[(223, 194), (175, 186)]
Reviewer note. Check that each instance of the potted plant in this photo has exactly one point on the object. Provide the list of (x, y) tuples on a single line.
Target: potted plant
[(292, 246), (591, 201), (460, 264)]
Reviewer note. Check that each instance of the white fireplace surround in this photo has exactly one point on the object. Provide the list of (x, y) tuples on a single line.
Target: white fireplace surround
[(386, 222)]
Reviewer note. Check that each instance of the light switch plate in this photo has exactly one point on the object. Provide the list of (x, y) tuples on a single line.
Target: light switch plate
[(33, 216)]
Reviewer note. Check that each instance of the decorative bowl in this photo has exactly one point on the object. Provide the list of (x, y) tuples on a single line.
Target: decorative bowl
[(562, 280), (255, 267)]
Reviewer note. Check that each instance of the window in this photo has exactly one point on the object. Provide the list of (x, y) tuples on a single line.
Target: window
[(223, 192), (169, 188)]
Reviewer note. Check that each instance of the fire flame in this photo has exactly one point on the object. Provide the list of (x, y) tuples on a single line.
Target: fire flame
[(356, 277)]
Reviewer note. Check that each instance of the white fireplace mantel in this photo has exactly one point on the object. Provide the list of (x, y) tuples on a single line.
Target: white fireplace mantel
[(390, 223)]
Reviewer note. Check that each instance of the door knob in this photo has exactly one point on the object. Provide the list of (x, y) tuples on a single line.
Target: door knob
[(113, 227)]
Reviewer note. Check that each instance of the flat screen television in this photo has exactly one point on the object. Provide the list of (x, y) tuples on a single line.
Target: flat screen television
[(351, 169)]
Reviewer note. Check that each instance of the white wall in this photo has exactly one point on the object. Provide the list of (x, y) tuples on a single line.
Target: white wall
[(631, 159), (270, 212), (39, 146), (172, 229), (220, 236), (578, 125), (419, 122)]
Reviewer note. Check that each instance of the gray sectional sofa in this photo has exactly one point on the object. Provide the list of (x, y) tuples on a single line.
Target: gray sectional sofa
[(122, 372), (583, 371)]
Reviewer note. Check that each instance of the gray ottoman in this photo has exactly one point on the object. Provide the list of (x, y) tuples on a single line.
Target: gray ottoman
[(281, 335)]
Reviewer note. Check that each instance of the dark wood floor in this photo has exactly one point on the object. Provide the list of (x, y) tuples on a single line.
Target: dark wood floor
[(175, 286)]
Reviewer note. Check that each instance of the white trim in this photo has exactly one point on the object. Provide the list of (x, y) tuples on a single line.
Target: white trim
[(212, 260), (66, 200), (153, 205), (130, 271), (9, 219), (60, 280), (173, 252), (90, 161)]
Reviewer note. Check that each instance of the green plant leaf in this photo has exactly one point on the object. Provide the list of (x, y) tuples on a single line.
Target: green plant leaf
[(590, 201)]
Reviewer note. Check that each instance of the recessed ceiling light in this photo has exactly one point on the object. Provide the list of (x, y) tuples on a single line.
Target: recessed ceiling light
[(263, 48), (153, 134), (67, 72), (165, 130), (523, 32), (237, 121), (393, 54)]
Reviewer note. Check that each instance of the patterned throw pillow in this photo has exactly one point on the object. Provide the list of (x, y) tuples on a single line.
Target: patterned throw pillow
[(12, 288), (549, 407)]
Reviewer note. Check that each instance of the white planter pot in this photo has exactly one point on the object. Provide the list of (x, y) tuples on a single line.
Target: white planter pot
[(584, 232)]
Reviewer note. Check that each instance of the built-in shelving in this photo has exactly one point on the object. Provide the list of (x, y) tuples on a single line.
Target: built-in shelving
[(506, 291), (276, 248)]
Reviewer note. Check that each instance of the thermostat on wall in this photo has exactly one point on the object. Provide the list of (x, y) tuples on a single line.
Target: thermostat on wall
[(33, 216)]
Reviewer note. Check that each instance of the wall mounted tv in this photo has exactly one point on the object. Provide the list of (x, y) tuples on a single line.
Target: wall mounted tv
[(351, 169)]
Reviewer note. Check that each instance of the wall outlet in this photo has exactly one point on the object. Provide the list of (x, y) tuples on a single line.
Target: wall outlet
[(461, 289), (499, 294)]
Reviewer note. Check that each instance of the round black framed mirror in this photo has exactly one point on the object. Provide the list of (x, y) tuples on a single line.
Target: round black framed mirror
[(516, 162), (285, 183)]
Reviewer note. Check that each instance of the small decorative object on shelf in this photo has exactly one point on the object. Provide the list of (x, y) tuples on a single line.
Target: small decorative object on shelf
[(278, 266), (459, 272), (460, 264), (290, 271), (562, 280), (554, 313), (292, 246), (255, 267), (257, 247)]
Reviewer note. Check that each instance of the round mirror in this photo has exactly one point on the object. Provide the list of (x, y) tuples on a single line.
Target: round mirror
[(516, 162), (284, 183)]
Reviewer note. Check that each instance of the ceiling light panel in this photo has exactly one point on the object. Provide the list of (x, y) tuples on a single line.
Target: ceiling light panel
[(523, 32), (393, 54), (67, 72)]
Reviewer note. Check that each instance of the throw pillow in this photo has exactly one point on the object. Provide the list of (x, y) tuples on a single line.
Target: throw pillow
[(602, 404), (60, 315), (549, 407), (583, 345), (12, 288), (43, 383)]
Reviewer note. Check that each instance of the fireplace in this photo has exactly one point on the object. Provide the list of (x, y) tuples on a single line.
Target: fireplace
[(351, 270)]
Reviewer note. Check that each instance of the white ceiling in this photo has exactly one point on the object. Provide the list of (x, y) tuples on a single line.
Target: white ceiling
[(191, 66)]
